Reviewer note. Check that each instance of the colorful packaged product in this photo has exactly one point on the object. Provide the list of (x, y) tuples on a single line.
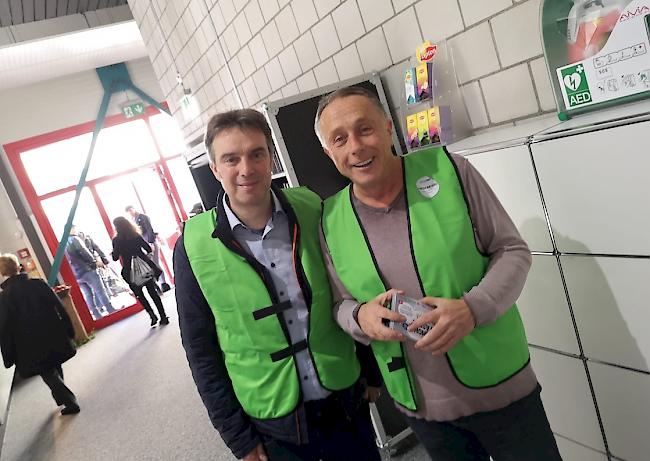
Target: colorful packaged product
[(423, 75), (423, 128), (439, 118), (413, 140), (409, 86), (434, 124)]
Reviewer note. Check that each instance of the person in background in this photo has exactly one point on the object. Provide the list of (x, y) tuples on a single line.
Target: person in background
[(98, 254), (196, 209), (35, 331), (92, 247), (84, 266), (278, 377), (129, 244), (151, 237), (428, 224)]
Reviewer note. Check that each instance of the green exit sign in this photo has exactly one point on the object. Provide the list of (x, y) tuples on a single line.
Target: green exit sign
[(133, 110)]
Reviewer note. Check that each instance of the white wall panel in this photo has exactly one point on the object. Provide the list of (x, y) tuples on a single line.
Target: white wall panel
[(544, 308), (509, 172), (596, 190), (566, 397), (610, 301), (572, 451), (624, 402)]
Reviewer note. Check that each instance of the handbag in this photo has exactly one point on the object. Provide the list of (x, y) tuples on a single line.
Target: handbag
[(141, 272)]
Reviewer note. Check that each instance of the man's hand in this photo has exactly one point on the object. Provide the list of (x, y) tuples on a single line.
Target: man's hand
[(257, 454), (371, 394), (452, 320), (373, 312)]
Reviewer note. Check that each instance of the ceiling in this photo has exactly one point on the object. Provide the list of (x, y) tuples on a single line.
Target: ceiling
[(52, 57), (14, 12)]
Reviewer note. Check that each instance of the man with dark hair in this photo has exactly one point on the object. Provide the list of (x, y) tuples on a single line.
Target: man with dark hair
[(279, 378), (428, 225), (151, 237)]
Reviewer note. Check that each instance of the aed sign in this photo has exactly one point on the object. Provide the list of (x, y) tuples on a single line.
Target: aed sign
[(575, 85)]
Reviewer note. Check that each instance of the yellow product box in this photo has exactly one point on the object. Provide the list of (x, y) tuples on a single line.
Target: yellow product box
[(412, 138), (423, 127)]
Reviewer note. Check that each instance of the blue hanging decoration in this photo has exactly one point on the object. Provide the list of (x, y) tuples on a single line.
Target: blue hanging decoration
[(114, 78)]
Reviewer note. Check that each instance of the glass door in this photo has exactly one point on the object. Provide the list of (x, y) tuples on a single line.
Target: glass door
[(135, 162), (100, 283), (144, 191)]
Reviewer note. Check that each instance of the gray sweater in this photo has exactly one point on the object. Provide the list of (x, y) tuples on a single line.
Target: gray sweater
[(442, 397)]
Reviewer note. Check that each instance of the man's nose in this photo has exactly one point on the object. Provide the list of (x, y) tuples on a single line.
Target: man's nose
[(354, 145), (246, 167)]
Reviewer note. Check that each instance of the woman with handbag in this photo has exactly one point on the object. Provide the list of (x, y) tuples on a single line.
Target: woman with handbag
[(138, 269)]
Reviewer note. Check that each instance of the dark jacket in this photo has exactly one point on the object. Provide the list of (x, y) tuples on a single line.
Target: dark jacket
[(93, 248), (127, 248), (80, 258), (143, 221), (199, 336), (35, 331)]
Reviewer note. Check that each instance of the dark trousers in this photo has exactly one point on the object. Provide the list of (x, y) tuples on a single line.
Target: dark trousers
[(151, 289), (54, 380), (333, 435), (518, 432)]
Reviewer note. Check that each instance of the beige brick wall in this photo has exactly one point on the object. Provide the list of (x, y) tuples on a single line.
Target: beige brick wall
[(235, 53)]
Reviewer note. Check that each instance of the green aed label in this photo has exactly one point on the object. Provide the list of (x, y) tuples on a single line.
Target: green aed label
[(575, 85)]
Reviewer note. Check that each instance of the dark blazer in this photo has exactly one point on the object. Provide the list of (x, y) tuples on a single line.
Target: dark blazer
[(127, 248), (35, 330), (144, 222)]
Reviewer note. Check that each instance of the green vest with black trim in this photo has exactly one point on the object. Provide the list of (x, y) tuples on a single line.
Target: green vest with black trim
[(448, 265), (257, 351)]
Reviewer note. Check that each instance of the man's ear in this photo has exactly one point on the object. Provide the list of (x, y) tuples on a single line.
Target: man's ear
[(215, 171), (327, 152), (389, 126)]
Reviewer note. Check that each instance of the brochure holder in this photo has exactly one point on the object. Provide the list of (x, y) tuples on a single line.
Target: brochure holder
[(432, 112)]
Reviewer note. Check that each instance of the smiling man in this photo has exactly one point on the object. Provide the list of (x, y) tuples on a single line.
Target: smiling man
[(279, 378), (429, 226)]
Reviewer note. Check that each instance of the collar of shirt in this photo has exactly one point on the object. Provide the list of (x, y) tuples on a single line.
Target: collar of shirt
[(235, 222)]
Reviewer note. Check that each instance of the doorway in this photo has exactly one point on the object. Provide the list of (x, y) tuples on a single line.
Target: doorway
[(136, 162)]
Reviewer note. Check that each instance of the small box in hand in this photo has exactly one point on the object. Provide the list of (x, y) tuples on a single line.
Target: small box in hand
[(411, 309)]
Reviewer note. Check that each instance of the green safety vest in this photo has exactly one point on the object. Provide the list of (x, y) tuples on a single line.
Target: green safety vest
[(257, 352), (448, 265)]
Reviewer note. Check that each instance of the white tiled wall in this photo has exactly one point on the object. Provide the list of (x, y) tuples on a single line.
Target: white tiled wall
[(567, 399), (610, 301), (544, 308), (623, 399), (595, 192), (496, 48), (595, 183), (572, 451), (509, 172)]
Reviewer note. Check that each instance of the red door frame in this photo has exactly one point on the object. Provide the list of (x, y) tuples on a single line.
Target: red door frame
[(14, 150)]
